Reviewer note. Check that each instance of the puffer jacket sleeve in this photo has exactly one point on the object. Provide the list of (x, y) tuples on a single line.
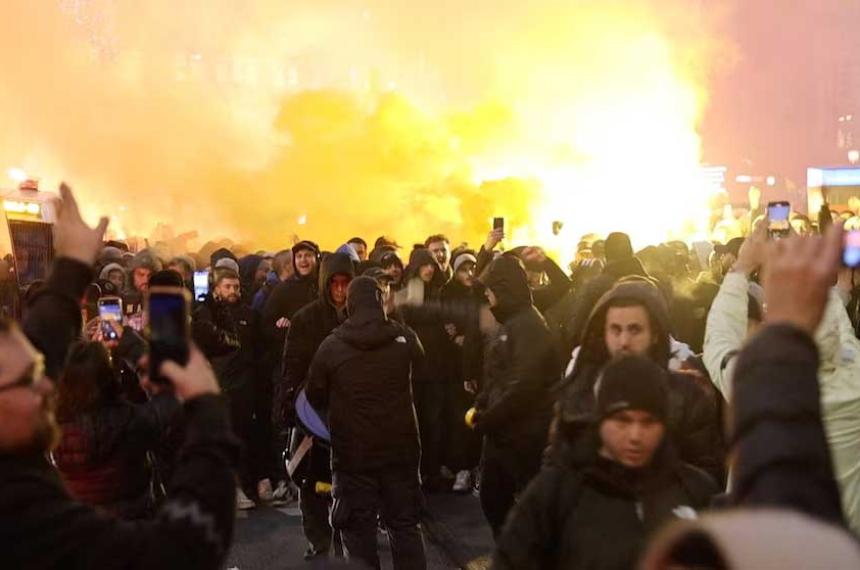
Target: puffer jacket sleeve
[(783, 459), (725, 330)]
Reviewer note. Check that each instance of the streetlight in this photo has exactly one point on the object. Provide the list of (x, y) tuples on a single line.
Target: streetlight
[(853, 156)]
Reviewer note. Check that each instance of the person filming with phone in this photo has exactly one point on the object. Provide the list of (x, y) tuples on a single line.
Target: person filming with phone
[(41, 525)]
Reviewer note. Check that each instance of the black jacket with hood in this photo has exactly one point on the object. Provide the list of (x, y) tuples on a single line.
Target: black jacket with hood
[(285, 300), (312, 324), (362, 376), (436, 342), (515, 404), (692, 423), (585, 511)]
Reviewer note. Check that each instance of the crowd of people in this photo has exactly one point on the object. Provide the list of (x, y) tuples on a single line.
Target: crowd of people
[(714, 386)]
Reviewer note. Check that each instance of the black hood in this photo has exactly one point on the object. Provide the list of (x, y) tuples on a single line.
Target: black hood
[(248, 266), (507, 279), (219, 254), (418, 259), (333, 264), (626, 267), (593, 340), (367, 326)]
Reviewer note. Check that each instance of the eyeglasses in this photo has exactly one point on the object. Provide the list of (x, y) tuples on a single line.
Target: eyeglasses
[(28, 379)]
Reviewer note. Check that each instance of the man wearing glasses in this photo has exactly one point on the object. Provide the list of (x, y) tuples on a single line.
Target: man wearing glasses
[(41, 526)]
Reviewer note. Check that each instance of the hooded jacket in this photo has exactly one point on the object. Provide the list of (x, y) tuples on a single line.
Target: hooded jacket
[(585, 511), (248, 266), (284, 301), (362, 375), (692, 423), (431, 332), (515, 404), (312, 324)]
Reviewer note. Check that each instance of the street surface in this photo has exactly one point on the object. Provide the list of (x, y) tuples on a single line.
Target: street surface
[(455, 536)]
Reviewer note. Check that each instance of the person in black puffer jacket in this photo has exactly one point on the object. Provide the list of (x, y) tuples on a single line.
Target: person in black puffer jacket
[(362, 376), (514, 407), (619, 482)]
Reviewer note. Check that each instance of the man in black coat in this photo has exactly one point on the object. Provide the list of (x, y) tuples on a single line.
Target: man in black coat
[(514, 407), (362, 376), (632, 319), (309, 328), (41, 526), (228, 333), (619, 482)]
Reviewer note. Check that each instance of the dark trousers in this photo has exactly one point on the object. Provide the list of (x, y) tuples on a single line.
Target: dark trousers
[(430, 409), (462, 445), (505, 472), (241, 403), (315, 468), (270, 445), (359, 500)]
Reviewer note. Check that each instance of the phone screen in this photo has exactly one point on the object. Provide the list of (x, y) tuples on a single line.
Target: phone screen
[(201, 285), (778, 214), (851, 250), (167, 329), (110, 317)]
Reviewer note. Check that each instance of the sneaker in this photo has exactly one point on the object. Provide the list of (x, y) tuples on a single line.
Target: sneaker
[(243, 503), (264, 491), (463, 484), (284, 493), (446, 473)]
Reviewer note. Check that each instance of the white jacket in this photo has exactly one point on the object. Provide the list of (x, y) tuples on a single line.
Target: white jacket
[(838, 376)]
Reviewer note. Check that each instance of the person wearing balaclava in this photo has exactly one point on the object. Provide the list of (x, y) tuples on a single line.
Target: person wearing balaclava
[(514, 407), (361, 377), (310, 326), (619, 482)]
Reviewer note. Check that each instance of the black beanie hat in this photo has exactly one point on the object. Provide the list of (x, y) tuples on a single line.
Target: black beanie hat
[(618, 247), (632, 383)]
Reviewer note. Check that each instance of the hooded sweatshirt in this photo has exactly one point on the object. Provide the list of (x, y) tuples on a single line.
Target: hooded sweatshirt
[(515, 404), (285, 300), (692, 421), (361, 375), (312, 324)]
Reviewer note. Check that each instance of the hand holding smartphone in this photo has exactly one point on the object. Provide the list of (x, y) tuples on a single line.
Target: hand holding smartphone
[(167, 329), (778, 219), (110, 318)]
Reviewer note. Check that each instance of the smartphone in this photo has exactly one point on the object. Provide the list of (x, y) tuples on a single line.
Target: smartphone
[(778, 224), (851, 249), (201, 285), (499, 224), (110, 317), (167, 328)]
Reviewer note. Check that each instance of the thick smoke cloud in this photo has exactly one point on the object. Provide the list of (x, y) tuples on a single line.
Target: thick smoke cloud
[(268, 119)]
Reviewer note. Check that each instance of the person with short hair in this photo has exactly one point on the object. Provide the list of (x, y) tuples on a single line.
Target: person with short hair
[(618, 482)]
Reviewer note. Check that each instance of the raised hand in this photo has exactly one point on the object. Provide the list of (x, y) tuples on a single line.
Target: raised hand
[(73, 238)]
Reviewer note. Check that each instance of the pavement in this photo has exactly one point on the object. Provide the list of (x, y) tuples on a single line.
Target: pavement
[(455, 536)]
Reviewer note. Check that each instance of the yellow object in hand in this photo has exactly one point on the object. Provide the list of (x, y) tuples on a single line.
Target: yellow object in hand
[(322, 488), (470, 417)]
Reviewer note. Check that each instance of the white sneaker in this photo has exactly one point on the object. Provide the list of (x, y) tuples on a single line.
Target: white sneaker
[(264, 490), (463, 484), (446, 473), (243, 503)]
